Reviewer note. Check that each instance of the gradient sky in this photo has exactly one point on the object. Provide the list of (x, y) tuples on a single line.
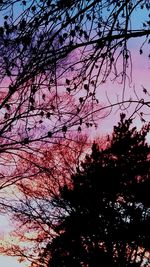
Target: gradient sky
[(141, 74), (140, 77)]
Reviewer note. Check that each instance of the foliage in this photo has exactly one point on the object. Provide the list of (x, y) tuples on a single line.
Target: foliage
[(105, 214)]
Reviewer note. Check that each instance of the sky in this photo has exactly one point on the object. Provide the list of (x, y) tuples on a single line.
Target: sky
[(140, 79), (141, 73), (6, 261)]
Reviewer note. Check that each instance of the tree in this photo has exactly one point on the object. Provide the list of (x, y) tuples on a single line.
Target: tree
[(27, 201), (104, 215), (54, 55), (53, 59), (38, 179)]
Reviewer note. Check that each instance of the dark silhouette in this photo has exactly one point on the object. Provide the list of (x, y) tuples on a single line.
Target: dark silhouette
[(54, 55), (104, 214)]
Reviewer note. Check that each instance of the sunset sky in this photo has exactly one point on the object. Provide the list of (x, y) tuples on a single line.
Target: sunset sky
[(140, 77), (141, 74)]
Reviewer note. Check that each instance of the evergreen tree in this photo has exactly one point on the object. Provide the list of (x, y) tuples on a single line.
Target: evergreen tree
[(106, 219)]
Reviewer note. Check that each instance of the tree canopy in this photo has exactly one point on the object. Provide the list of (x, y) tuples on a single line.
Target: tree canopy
[(104, 214)]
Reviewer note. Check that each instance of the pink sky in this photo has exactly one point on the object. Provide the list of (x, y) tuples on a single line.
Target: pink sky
[(140, 77), (141, 74)]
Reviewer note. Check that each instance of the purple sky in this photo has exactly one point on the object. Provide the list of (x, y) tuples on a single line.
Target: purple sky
[(141, 77)]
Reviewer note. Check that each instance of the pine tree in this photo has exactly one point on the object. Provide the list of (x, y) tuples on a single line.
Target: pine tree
[(106, 219)]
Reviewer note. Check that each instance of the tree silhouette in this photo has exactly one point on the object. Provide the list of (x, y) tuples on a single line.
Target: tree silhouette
[(104, 214), (53, 57), (37, 179)]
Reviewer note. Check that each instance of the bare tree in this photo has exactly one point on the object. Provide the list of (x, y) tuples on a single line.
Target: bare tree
[(27, 201), (54, 53), (54, 56)]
